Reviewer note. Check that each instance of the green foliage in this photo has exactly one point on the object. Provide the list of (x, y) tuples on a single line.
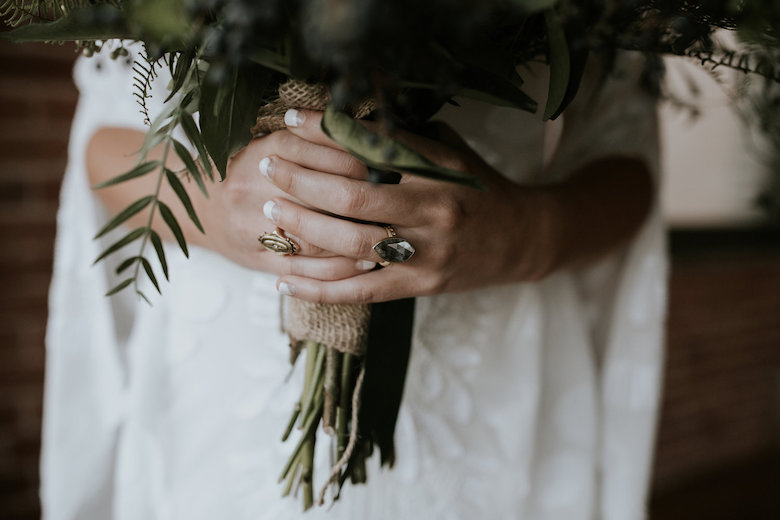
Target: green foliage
[(19, 12), (227, 57), (384, 153), (177, 113), (228, 110), (73, 20)]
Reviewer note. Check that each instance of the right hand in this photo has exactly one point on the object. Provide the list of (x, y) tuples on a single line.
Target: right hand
[(233, 215)]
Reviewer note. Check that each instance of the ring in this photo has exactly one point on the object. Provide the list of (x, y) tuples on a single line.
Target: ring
[(277, 242), (393, 249)]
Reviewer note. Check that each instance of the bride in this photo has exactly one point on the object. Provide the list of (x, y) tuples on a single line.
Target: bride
[(534, 376)]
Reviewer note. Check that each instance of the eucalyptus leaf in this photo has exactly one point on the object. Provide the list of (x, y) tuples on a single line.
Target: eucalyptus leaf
[(139, 171), (158, 248), (560, 65), (385, 153), (181, 192), (170, 220), (191, 166), (122, 242), (95, 22), (125, 214), (228, 111)]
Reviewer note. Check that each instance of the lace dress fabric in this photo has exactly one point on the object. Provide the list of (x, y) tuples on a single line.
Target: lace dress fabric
[(529, 401)]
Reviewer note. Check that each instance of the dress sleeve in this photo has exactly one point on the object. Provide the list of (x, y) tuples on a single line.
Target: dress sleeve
[(86, 331), (624, 294)]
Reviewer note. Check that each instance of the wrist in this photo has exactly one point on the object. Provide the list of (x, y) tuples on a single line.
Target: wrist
[(537, 245)]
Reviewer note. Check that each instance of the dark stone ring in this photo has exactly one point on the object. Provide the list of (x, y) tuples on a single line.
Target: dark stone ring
[(393, 249)]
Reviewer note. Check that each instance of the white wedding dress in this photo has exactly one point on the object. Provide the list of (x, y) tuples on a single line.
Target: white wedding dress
[(530, 401)]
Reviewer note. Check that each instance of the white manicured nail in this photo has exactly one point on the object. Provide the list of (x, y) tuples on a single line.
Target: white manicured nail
[(271, 211), (266, 166), (365, 265), (286, 288), (294, 118)]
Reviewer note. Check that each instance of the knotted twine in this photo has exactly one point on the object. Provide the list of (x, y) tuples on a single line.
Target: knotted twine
[(343, 327)]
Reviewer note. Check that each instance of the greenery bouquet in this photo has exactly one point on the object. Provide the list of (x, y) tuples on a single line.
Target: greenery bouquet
[(398, 62)]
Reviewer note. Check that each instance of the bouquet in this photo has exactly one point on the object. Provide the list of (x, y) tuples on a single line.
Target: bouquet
[(239, 64)]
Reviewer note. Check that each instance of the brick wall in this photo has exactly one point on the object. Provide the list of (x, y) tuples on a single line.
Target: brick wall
[(37, 100), (722, 391), (724, 328)]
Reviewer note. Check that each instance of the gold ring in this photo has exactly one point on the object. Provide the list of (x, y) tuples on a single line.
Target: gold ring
[(277, 242), (393, 249)]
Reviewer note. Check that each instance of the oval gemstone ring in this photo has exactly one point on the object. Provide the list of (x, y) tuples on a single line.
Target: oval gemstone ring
[(393, 249)]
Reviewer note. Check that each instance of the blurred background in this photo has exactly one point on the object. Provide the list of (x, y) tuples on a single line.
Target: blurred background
[(718, 443)]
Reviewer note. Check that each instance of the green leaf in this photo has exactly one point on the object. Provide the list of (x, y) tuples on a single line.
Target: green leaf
[(191, 166), (228, 111), (158, 248), (150, 273), (139, 171), (166, 21), (578, 60), (560, 65), (170, 220), (121, 286), (194, 135), (127, 262), (184, 63), (96, 22), (143, 296), (125, 214), (178, 188), (122, 242), (274, 60), (385, 153)]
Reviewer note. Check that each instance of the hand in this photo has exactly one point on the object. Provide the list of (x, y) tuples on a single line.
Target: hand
[(232, 216), (464, 238)]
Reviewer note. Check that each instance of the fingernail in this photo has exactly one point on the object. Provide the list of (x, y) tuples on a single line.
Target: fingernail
[(271, 211), (365, 265), (294, 118), (286, 288), (266, 167)]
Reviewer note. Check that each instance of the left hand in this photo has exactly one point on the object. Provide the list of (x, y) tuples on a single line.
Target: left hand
[(464, 238)]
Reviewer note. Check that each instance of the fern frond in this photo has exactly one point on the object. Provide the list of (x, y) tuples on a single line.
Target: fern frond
[(144, 73), (747, 61)]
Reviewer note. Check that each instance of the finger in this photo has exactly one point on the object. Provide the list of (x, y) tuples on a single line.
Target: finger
[(376, 286), (327, 269), (350, 198), (311, 155), (307, 124), (342, 237), (302, 247)]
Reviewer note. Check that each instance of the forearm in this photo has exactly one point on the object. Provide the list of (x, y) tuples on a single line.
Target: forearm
[(596, 210), (112, 151)]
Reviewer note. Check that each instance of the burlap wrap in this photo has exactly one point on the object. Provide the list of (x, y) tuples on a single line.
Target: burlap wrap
[(339, 326), (342, 327), (301, 95)]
